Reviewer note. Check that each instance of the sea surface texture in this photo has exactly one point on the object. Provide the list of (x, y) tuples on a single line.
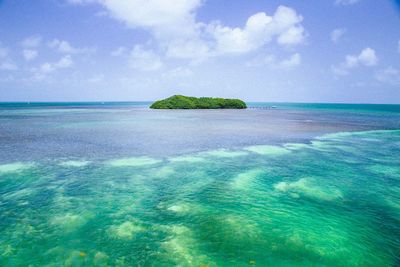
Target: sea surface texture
[(118, 184)]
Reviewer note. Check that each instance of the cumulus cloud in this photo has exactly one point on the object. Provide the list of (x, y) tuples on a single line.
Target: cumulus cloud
[(29, 54), (64, 62), (367, 57), (272, 62), (66, 48), (31, 41), (346, 2), (172, 24), (259, 30), (158, 15), (389, 76), (179, 34), (49, 67), (144, 60), (337, 34)]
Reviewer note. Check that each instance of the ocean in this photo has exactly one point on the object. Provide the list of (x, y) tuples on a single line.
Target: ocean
[(278, 184)]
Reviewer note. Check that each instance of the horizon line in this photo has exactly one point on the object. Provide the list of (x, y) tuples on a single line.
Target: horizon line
[(149, 101)]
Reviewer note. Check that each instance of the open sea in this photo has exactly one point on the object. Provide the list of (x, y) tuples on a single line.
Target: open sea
[(118, 184)]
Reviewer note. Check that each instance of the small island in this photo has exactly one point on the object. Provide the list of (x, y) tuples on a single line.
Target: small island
[(187, 102)]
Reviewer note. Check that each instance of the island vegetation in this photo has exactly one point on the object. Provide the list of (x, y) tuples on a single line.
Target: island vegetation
[(187, 102)]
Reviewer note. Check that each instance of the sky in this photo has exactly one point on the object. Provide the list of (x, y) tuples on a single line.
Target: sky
[(340, 51)]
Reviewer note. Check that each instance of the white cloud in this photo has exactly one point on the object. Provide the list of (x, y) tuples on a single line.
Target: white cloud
[(389, 75), (172, 24), (64, 62), (32, 41), (119, 51), (145, 60), (346, 2), (336, 34), (61, 46), (178, 34), (259, 30), (367, 57), (66, 48), (293, 61), (159, 15), (272, 62), (29, 54), (49, 67)]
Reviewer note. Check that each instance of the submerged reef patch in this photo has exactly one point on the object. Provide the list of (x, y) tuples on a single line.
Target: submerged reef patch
[(15, 167), (133, 162), (125, 230), (289, 205), (307, 187), (75, 163), (268, 150)]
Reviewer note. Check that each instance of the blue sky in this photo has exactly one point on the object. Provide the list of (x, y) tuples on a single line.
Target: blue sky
[(257, 50)]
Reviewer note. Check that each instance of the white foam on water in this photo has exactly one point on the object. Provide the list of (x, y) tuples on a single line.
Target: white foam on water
[(74, 163), (307, 187), (268, 150), (125, 230), (133, 162), (15, 167)]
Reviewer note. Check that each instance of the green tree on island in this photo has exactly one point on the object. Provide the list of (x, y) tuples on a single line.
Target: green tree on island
[(186, 102)]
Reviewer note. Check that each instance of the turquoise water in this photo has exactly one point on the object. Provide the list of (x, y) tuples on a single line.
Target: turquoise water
[(133, 187)]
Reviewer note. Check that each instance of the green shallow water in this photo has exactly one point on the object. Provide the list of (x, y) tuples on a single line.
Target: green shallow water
[(332, 202)]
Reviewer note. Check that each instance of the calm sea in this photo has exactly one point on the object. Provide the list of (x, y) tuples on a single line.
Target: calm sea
[(278, 184)]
